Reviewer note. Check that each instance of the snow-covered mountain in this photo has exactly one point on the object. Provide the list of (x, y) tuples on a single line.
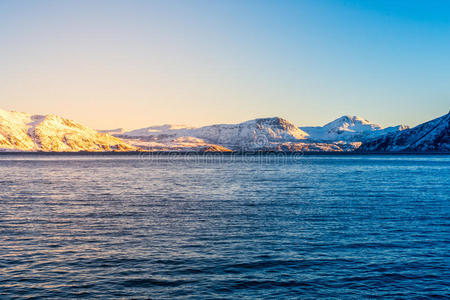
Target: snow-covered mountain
[(253, 134), (349, 128), (433, 135), (25, 132)]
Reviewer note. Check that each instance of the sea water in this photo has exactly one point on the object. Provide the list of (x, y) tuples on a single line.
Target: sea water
[(192, 226)]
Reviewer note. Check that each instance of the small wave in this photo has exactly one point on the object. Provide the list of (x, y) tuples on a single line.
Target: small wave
[(150, 282)]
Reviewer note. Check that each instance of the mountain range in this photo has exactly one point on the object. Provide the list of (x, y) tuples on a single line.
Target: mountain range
[(50, 133), (271, 134)]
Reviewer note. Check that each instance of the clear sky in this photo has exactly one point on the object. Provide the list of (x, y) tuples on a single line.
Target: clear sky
[(132, 64)]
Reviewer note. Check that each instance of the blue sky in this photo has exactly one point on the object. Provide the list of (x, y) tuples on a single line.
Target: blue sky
[(139, 63)]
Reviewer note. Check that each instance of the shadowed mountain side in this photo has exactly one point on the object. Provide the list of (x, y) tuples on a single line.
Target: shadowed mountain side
[(429, 136)]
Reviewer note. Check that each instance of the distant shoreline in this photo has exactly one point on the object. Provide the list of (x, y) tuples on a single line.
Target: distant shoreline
[(206, 153)]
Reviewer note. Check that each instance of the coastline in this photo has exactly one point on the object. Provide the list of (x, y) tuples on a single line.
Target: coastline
[(216, 153)]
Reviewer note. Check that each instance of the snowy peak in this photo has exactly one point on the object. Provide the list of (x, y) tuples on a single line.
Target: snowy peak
[(275, 122), (251, 133), (279, 125), (351, 124), (26, 132), (349, 128)]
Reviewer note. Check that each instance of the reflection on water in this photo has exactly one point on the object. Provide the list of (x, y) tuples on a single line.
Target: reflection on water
[(124, 226)]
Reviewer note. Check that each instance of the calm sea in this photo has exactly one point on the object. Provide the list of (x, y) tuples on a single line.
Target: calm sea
[(224, 227)]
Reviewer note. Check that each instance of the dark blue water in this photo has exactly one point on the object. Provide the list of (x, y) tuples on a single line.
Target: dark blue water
[(248, 227)]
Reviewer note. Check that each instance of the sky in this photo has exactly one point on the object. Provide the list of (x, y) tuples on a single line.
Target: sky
[(110, 64)]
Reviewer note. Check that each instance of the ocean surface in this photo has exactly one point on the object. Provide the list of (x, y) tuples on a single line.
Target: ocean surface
[(234, 227)]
